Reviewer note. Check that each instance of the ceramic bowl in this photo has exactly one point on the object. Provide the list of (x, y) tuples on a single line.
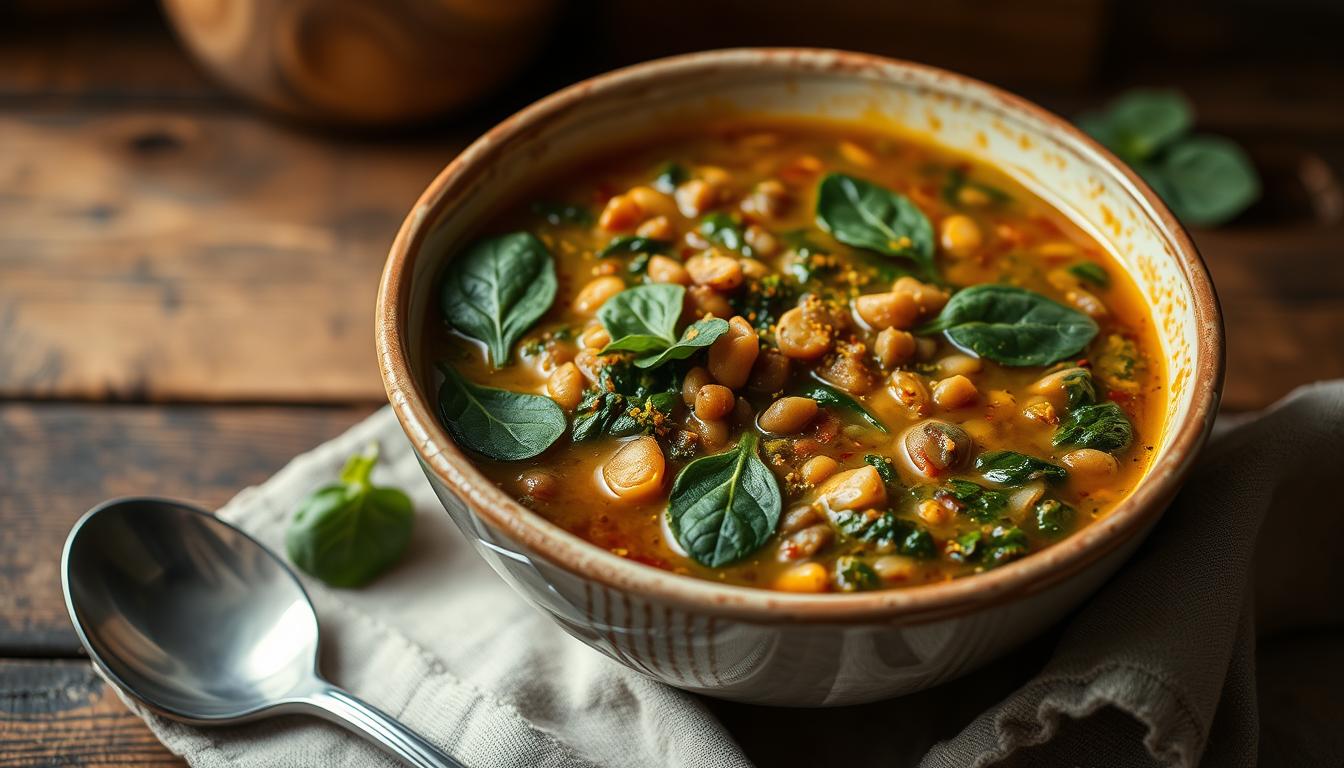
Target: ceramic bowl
[(757, 645)]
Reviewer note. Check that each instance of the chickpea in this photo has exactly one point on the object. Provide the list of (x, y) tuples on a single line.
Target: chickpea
[(848, 372), (960, 235), (1090, 467), (929, 299), (665, 270), (910, 390), (788, 415), (722, 273), (652, 202), (713, 433), (587, 363), (761, 241), (635, 472), (692, 382), (955, 392), (925, 348), (714, 175), (743, 413), (806, 543), (959, 365), (704, 300), (769, 199), (770, 373), (932, 512), (732, 355), (894, 347), (595, 337), (800, 337), (818, 468), (937, 447), (657, 228), (593, 295), (753, 268), (714, 401), (896, 567), (565, 386), (695, 197), (806, 577), (887, 310), (799, 517), (620, 214), (1087, 303), (539, 484), (981, 431), (854, 489)]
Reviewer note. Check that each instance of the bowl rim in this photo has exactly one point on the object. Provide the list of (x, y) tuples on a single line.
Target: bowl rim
[(910, 605)]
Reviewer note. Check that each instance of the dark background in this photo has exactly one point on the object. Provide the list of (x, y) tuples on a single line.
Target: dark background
[(186, 284)]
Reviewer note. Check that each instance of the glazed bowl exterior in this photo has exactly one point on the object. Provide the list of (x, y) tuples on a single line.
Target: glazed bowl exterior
[(758, 645)]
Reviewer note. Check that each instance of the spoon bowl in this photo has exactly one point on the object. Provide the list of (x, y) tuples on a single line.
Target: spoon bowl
[(203, 624)]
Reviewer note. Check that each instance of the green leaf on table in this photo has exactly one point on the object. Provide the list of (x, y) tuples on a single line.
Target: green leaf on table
[(724, 507), (1012, 326), (1140, 122), (1208, 180), (497, 423), (1013, 468), (497, 289), (349, 532), (1104, 427), (864, 215)]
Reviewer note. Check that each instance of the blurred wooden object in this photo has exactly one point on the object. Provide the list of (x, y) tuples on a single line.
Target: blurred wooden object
[(362, 63)]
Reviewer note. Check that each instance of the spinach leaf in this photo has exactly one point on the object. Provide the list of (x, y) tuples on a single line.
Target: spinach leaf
[(1001, 545), (721, 228), (1052, 516), (826, 395), (884, 469), (1079, 389), (497, 290), (634, 244), (1012, 326), (764, 299), (1103, 426), (1013, 468), (1208, 180), (975, 501), (854, 575), (647, 417), (349, 532), (559, 214), (670, 176), (595, 414), (1140, 123), (864, 215), (724, 507), (643, 320), (1091, 272), (886, 531), (497, 423)]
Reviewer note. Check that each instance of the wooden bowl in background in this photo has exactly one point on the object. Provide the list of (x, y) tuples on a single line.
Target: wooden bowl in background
[(358, 63)]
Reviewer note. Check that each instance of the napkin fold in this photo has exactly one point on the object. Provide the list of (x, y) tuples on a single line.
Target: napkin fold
[(1158, 669)]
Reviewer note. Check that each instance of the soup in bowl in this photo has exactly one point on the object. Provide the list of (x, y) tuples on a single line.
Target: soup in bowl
[(798, 377)]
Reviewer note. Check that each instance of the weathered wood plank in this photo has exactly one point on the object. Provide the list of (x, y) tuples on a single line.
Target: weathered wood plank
[(62, 713), (176, 256), (56, 461)]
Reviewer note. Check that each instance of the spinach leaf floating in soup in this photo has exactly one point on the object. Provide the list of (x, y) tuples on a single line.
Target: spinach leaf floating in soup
[(800, 357)]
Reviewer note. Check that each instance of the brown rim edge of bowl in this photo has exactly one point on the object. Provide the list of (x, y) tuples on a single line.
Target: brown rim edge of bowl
[(910, 605)]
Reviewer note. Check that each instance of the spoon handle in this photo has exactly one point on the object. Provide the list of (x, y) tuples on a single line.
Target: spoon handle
[(340, 707)]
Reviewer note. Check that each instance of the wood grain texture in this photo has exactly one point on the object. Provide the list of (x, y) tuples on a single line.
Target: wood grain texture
[(169, 256), (58, 460), (62, 713)]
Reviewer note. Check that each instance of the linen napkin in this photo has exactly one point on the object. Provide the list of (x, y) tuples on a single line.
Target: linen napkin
[(1159, 668)]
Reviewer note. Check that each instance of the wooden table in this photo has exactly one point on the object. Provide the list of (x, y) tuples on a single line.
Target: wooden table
[(186, 293)]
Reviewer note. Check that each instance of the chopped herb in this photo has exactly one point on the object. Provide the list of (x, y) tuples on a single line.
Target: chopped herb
[(1053, 517), (1078, 389), (886, 531), (854, 575)]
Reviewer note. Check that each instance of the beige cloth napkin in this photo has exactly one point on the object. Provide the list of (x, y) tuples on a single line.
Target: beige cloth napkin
[(1159, 668)]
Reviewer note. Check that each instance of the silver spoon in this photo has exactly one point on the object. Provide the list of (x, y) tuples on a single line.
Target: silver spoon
[(202, 624)]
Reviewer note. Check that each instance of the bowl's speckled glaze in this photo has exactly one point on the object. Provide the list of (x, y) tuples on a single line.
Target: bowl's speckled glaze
[(757, 645)]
